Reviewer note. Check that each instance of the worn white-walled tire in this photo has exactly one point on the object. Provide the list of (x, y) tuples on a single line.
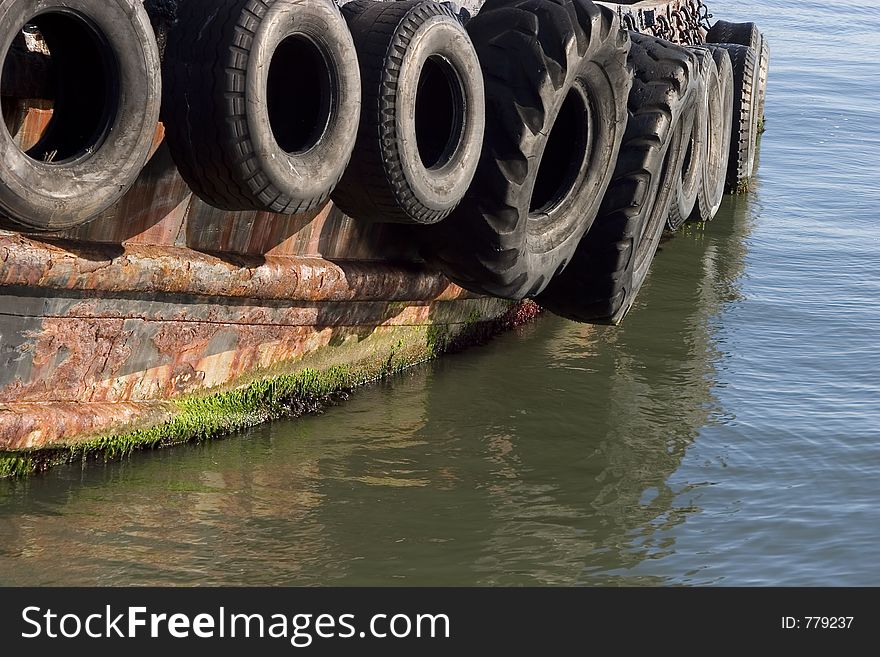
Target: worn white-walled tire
[(718, 134), (107, 96), (695, 125), (744, 127)]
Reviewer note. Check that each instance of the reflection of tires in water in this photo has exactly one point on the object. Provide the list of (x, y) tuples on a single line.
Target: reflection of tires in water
[(106, 92), (612, 260), (556, 85), (262, 102), (718, 108), (422, 113)]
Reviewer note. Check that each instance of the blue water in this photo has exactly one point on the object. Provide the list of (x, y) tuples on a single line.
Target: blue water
[(727, 433)]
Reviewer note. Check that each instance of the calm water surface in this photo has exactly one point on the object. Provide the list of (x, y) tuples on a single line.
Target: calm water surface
[(727, 433)]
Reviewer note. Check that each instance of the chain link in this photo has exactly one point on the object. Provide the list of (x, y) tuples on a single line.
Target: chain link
[(703, 15), (662, 28)]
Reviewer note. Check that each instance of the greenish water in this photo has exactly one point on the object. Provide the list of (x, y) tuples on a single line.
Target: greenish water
[(727, 433)]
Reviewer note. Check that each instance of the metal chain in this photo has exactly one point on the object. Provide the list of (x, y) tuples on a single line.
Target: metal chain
[(693, 15), (703, 15), (662, 29), (685, 24), (681, 20), (693, 21), (628, 22)]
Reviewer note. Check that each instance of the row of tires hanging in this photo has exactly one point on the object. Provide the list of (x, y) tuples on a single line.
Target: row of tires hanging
[(535, 150)]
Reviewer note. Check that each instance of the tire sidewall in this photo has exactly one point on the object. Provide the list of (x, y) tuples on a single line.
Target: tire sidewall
[(721, 119), (694, 182), (314, 172), (573, 216), (440, 36), (646, 243), (752, 145)]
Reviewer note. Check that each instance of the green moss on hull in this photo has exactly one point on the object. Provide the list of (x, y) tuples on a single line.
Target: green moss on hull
[(276, 395), (743, 187), (15, 466), (199, 418)]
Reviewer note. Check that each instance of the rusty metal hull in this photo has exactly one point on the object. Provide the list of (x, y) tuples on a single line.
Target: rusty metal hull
[(165, 298)]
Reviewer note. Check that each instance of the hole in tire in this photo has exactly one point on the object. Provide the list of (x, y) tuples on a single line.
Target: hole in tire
[(59, 88), (564, 155), (299, 94), (438, 113), (687, 161)]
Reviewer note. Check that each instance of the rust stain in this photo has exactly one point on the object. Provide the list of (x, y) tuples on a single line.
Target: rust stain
[(28, 425), (100, 351), (163, 295), (35, 123), (159, 209), (80, 386), (144, 269), (68, 356)]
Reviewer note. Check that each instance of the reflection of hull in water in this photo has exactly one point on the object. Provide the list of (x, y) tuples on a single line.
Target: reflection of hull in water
[(488, 488)]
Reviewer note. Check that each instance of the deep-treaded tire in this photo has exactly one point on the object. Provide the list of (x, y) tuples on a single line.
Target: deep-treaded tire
[(611, 263), (744, 128), (720, 112), (745, 34), (694, 161), (556, 82), (422, 113), (262, 101), (763, 74), (107, 90)]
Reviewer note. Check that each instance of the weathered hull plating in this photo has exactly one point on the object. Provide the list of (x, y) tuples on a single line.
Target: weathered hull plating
[(165, 298)]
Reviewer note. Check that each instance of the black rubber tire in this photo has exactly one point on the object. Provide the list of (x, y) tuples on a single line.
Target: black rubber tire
[(719, 101), (262, 101), (556, 83), (422, 113), (612, 261), (107, 88), (745, 34), (686, 188), (744, 128)]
